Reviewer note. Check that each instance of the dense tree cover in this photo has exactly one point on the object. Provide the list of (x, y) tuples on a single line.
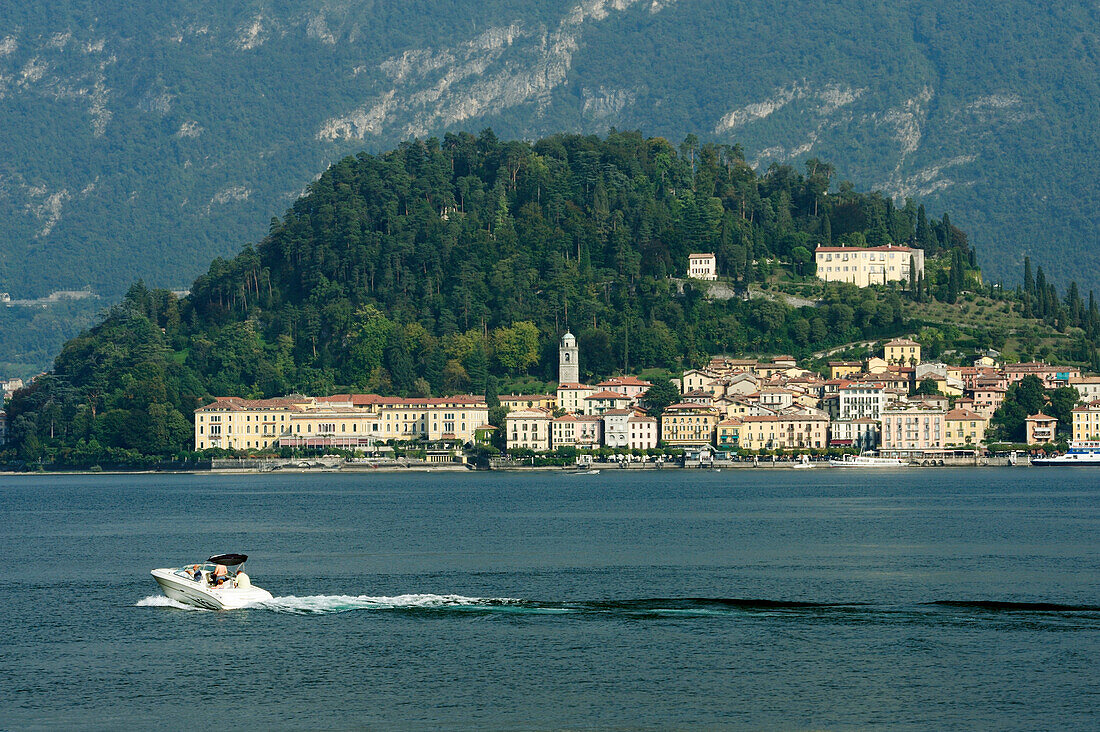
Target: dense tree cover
[(145, 139), (443, 265), (1027, 397)]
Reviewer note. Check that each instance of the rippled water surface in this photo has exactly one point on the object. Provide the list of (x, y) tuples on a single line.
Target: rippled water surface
[(922, 599)]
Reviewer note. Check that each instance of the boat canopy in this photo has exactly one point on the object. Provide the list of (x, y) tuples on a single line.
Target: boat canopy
[(229, 560)]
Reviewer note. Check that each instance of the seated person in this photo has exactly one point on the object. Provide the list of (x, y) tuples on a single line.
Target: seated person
[(196, 573), (220, 575)]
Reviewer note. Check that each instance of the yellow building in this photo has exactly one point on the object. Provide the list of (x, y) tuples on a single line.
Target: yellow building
[(1086, 422), (342, 420), (512, 402), (864, 266), (687, 424), (799, 431), (729, 434), (232, 423), (433, 419), (902, 352), (842, 369), (963, 428)]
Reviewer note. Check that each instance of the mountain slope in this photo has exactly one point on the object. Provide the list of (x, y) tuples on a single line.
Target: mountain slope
[(144, 140)]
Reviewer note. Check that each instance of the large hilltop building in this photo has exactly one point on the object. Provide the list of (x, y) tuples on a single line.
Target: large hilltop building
[(864, 266), (702, 266)]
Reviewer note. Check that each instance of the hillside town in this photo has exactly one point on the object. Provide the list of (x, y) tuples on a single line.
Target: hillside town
[(895, 404)]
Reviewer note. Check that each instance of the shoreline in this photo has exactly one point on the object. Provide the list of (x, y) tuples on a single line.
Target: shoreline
[(571, 470)]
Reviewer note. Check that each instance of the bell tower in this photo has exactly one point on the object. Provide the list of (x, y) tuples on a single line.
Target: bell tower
[(569, 368)]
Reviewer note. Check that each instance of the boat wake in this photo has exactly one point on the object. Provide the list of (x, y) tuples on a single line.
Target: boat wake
[(685, 607), (324, 604), (162, 601)]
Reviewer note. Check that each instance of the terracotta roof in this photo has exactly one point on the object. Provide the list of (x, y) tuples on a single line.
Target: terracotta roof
[(703, 254), (618, 412), (607, 395), (624, 381), (888, 248), (958, 414), (573, 385), (1040, 417), (524, 397)]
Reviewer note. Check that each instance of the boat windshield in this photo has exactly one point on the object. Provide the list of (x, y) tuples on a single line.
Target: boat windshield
[(208, 570)]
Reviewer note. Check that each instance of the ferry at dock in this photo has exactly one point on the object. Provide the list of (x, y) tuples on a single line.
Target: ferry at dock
[(1079, 453)]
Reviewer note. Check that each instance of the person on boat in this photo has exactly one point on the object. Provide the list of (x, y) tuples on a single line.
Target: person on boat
[(221, 574), (196, 571)]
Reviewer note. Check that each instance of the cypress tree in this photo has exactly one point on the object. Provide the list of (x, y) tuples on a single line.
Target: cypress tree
[(1029, 280)]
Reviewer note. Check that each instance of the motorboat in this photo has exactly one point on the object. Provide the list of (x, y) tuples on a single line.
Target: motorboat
[(803, 462), (1080, 453), (219, 583), (868, 461)]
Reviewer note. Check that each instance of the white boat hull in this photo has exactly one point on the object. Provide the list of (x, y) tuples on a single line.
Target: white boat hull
[(870, 463), (199, 594)]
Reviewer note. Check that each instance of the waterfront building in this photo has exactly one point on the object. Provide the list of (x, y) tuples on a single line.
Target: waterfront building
[(909, 430), (232, 423), (576, 430), (702, 266), (433, 419), (616, 428), (808, 429), (865, 266), (342, 420), (963, 427), (528, 429), (643, 432), (1040, 429), (686, 425), (1086, 422), (729, 434), (860, 433)]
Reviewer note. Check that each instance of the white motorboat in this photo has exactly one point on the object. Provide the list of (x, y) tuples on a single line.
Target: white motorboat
[(1080, 453), (868, 461), (217, 584)]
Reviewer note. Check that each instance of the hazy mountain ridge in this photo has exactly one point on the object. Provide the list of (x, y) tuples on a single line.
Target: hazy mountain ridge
[(145, 141)]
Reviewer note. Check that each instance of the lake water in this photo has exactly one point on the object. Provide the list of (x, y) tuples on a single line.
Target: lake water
[(922, 599)]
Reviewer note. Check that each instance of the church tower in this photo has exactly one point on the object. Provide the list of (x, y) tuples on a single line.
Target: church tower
[(569, 369)]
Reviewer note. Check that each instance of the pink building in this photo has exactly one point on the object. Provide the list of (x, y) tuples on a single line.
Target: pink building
[(909, 431)]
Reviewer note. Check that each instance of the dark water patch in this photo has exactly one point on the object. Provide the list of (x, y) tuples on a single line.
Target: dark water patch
[(1010, 606)]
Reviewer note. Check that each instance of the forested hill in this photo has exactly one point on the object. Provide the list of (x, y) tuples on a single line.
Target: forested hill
[(141, 140), (442, 263)]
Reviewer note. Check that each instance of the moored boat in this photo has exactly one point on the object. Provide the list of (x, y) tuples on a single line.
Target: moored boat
[(1081, 454), (868, 461)]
